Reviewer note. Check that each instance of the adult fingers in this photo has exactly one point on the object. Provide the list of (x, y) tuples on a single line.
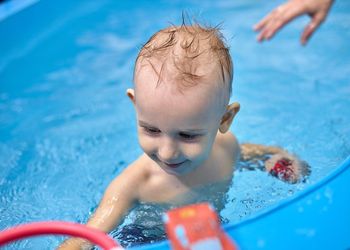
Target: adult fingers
[(265, 25), (271, 16), (264, 21), (278, 21), (311, 27)]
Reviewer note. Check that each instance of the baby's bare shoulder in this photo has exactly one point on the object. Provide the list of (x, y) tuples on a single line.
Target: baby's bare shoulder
[(137, 171), (228, 147), (132, 178), (228, 142), (148, 178)]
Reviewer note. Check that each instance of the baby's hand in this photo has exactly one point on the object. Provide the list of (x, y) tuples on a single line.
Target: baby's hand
[(287, 168)]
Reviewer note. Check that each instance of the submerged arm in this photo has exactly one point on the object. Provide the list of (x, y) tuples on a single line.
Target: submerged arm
[(280, 163), (117, 200), (251, 151)]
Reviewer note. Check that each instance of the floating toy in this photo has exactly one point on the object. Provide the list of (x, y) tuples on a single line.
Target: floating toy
[(196, 227), (283, 169), (58, 227)]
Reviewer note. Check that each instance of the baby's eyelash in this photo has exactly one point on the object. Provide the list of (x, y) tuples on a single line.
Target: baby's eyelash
[(184, 136), (151, 130), (188, 136)]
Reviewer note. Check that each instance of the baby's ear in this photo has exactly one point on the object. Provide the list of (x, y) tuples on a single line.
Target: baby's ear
[(131, 94), (227, 118)]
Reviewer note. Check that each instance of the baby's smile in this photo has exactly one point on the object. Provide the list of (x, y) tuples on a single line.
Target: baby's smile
[(174, 167)]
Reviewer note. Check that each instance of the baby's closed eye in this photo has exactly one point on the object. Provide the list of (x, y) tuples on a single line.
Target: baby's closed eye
[(151, 131), (189, 137), (185, 136)]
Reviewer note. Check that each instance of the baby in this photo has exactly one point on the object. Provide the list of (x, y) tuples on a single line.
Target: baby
[(182, 86)]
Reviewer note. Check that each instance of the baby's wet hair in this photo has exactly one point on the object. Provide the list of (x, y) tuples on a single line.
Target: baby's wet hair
[(186, 48)]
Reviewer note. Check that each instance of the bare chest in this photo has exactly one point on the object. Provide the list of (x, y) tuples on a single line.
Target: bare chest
[(206, 185)]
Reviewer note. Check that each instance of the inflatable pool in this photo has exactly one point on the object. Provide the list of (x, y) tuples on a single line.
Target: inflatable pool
[(302, 222), (64, 69), (317, 218)]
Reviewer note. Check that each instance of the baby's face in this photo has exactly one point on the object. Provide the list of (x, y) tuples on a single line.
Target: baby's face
[(177, 130)]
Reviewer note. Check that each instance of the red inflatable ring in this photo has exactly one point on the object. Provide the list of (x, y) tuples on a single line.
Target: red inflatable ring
[(58, 227)]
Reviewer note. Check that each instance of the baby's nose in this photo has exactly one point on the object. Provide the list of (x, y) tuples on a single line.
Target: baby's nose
[(168, 150)]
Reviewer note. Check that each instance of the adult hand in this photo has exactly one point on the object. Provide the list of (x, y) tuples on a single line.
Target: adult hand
[(283, 14)]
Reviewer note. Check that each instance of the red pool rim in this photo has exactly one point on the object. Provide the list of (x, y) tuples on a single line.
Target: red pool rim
[(58, 227)]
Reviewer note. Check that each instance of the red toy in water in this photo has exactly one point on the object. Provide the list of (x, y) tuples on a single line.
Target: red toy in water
[(283, 169), (58, 227), (196, 227)]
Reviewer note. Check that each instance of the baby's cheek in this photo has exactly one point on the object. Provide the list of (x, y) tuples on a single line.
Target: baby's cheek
[(195, 150), (147, 143)]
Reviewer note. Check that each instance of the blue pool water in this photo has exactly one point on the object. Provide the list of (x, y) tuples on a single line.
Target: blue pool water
[(67, 129)]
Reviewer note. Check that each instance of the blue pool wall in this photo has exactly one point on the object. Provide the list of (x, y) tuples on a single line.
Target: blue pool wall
[(318, 217)]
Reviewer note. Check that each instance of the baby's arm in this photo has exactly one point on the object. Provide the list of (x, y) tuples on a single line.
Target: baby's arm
[(251, 151), (281, 164), (117, 200)]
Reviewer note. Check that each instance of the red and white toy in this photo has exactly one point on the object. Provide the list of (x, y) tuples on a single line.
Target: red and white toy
[(196, 227)]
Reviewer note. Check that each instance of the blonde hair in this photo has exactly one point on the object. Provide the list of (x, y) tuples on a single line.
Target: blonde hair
[(187, 46)]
